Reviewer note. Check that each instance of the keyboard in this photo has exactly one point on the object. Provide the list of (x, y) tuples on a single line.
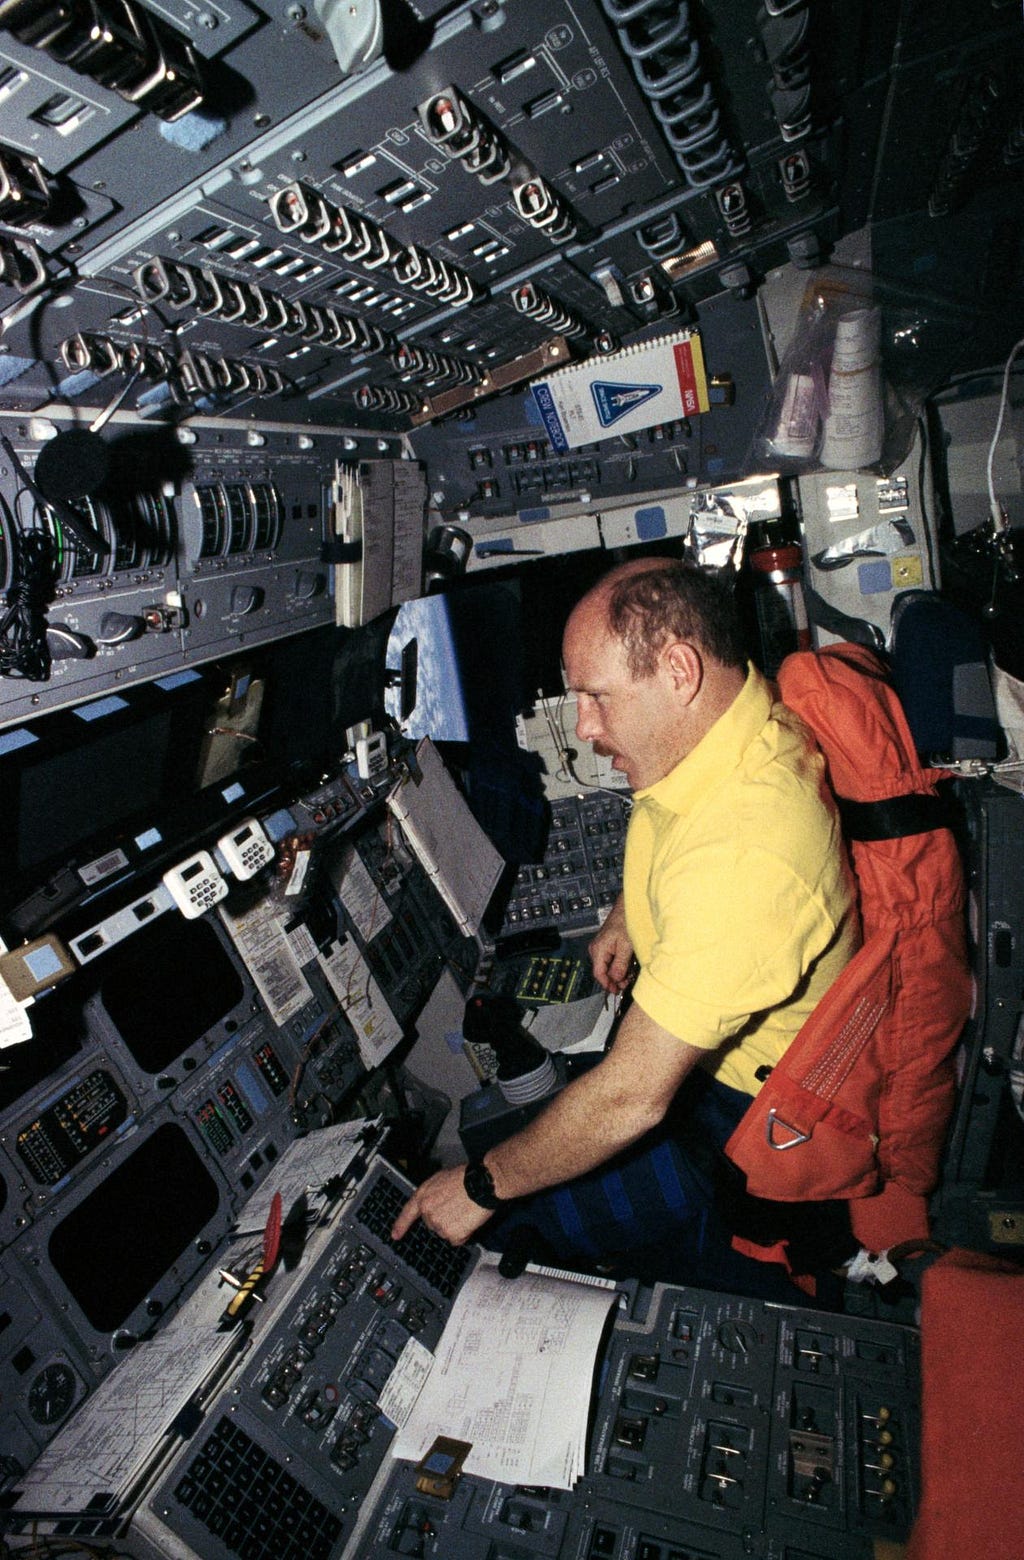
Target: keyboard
[(431, 1258), (252, 1503)]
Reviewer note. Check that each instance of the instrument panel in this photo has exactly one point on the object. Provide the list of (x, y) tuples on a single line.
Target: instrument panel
[(165, 1078), (246, 252)]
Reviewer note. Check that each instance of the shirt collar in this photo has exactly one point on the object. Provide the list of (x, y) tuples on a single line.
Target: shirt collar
[(718, 752)]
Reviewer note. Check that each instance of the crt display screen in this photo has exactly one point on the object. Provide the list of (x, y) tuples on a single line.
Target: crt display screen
[(167, 986), (117, 1244)]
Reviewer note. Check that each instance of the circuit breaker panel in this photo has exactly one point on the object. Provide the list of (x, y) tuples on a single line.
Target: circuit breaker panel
[(394, 214), (244, 249)]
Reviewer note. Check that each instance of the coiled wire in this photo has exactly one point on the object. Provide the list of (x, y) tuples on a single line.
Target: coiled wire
[(24, 651)]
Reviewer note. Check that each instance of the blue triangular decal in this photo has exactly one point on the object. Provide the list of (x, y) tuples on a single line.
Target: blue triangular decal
[(615, 401)]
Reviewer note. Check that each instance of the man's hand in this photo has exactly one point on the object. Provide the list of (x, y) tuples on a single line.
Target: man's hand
[(611, 951), (442, 1204)]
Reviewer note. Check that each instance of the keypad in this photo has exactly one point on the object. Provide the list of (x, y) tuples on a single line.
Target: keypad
[(433, 1259), (252, 1504)]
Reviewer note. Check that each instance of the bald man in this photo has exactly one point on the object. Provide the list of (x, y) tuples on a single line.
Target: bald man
[(737, 902)]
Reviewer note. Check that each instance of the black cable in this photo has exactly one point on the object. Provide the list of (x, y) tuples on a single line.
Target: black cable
[(926, 518), (956, 380), (24, 651), (72, 522)]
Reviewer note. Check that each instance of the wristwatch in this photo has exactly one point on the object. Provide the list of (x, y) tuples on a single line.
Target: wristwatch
[(479, 1185)]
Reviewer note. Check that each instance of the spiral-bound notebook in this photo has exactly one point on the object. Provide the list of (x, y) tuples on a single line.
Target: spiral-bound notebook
[(652, 382)]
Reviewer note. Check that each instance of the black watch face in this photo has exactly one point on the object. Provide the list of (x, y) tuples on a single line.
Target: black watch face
[(480, 1186)]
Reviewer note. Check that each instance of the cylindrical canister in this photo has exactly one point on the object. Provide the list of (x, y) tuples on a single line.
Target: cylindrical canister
[(779, 604)]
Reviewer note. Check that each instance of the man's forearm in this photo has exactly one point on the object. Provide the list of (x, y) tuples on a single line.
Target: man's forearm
[(593, 1118), (588, 1122)]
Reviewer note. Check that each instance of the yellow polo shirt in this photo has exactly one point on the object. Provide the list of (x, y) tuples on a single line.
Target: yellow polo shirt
[(739, 899)]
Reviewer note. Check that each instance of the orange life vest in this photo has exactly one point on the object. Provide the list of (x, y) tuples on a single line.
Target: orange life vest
[(857, 1108)]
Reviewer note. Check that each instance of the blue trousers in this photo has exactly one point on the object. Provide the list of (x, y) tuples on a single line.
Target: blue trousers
[(649, 1212)]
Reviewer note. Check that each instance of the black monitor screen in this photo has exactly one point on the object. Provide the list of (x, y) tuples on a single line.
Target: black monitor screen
[(95, 793), (167, 986), (59, 1031), (118, 1243)]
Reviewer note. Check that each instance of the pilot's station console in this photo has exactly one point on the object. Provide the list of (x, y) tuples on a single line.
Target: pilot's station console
[(341, 348)]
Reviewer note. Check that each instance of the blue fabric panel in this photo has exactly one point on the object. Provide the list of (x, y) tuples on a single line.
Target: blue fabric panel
[(618, 1198), (570, 1225)]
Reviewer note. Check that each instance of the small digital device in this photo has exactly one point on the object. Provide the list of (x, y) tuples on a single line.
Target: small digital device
[(35, 966), (372, 755), (246, 848), (440, 1470), (196, 884)]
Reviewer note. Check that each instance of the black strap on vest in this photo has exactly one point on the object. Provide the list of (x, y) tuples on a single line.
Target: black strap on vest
[(818, 1235), (894, 818)]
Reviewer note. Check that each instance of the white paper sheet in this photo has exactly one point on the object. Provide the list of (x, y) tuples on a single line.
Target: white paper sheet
[(306, 1165), (512, 1376), (574, 1027), (361, 1000), (15, 1025), (449, 843), (263, 945), (360, 895)]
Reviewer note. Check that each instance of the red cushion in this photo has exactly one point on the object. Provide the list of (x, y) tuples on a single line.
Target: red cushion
[(972, 1430)]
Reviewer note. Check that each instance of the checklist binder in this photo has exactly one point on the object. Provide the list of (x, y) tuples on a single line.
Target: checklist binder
[(448, 842), (652, 382)]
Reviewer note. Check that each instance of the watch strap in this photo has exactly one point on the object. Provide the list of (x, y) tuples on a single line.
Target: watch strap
[(478, 1184)]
